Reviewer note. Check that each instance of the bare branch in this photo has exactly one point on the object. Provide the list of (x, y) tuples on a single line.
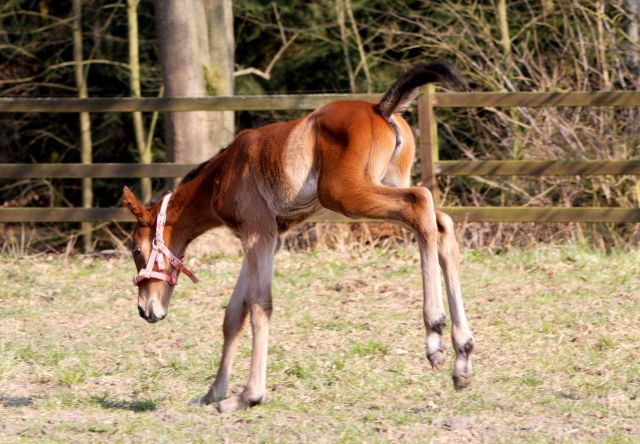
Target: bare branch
[(363, 55), (345, 47), (280, 27), (266, 74)]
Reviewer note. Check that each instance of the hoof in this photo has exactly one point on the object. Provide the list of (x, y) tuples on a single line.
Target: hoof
[(209, 399), (235, 403), (231, 405), (436, 358), (461, 381), (213, 395)]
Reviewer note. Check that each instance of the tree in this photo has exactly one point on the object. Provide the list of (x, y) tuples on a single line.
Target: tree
[(196, 53), (633, 34), (85, 121), (144, 149)]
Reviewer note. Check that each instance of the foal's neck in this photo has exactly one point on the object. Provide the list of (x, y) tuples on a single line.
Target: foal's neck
[(192, 212)]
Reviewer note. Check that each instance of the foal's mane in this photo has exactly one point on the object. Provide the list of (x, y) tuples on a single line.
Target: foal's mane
[(193, 173), (197, 170)]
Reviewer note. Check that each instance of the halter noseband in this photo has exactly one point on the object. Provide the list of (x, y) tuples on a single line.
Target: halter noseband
[(159, 251)]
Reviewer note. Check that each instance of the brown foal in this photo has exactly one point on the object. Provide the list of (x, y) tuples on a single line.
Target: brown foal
[(351, 157)]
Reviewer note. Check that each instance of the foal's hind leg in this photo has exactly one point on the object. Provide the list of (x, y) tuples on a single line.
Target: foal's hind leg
[(234, 320), (413, 207), (449, 257)]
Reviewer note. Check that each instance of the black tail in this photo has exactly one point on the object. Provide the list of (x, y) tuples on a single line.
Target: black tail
[(405, 90)]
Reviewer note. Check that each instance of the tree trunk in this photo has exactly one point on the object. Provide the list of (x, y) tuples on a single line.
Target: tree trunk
[(602, 46), (345, 46), (360, 46), (196, 54), (85, 122), (633, 31), (144, 151), (503, 23), (220, 69)]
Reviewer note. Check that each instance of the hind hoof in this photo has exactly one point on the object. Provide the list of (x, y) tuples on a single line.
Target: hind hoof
[(461, 381), (436, 358)]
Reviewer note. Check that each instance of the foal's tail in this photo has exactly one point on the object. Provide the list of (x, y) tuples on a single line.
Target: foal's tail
[(405, 90)]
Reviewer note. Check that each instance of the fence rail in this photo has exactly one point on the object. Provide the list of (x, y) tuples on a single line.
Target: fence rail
[(309, 101), (442, 168), (94, 170), (537, 168), (432, 167), (467, 214)]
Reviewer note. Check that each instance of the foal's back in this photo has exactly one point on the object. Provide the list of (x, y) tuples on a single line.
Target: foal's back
[(281, 161)]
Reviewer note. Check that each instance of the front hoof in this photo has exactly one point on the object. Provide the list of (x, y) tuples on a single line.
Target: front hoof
[(210, 398), (437, 358), (231, 405), (236, 403), (461, 381)]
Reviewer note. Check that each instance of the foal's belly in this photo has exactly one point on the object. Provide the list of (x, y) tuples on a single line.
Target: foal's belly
[(297, 197), (296, 191), (299, 194)]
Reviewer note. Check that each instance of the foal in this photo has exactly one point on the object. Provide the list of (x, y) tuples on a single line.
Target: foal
[(351, 157)]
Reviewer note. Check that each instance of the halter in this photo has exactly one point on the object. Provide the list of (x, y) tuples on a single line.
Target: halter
[(159, 251)]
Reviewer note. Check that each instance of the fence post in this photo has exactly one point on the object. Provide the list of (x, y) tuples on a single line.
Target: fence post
[(428, 142)]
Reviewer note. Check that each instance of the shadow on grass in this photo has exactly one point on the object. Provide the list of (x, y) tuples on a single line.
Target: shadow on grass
[(145, 405), (15, 401)]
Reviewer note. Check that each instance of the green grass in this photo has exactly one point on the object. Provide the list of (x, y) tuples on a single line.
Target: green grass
[(557, 332)]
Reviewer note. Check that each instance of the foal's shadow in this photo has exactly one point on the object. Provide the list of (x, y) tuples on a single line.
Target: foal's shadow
[(15, 401), (138, 405)]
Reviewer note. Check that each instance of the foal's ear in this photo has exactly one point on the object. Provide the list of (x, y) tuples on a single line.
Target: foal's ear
[(135, 206)]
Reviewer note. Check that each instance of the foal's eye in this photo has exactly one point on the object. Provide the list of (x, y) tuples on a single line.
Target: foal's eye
[(137, 252)]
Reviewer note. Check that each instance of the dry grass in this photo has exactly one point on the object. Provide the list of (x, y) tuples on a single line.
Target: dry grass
[(557, 352)]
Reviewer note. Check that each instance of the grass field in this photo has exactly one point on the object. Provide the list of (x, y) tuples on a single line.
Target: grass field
[(557, 351)]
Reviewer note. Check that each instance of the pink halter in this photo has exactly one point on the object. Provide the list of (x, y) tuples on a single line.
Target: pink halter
[(159, 251)]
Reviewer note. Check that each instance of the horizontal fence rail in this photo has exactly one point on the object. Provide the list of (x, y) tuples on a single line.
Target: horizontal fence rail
[(94, 170), (460, 214), (309, 101), (151, 104), (537, 99), (536, 168), (431, 165), (442, 167)]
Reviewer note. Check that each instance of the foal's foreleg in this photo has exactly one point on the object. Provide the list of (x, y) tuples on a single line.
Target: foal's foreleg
[(449, 257), (234, 320), (260, 248)]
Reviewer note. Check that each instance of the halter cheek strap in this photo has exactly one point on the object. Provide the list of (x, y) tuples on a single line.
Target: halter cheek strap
[(159, 252)]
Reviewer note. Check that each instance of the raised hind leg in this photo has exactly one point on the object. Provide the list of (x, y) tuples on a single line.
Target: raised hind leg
[(234, 320), (260, 247), (412, 207), (449, 257)]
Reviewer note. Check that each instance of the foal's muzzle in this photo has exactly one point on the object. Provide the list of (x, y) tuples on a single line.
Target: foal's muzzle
[(152, 318)]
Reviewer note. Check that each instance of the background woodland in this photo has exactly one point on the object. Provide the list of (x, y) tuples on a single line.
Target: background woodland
[(122, 48)]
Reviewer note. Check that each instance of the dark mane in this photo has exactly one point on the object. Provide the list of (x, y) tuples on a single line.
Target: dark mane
[(193, 173), (197, 170)]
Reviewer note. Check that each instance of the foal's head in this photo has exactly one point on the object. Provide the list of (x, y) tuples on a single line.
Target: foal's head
[(156, 278)]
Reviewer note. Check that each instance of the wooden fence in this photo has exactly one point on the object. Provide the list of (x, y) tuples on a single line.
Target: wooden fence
[(432, 167)]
